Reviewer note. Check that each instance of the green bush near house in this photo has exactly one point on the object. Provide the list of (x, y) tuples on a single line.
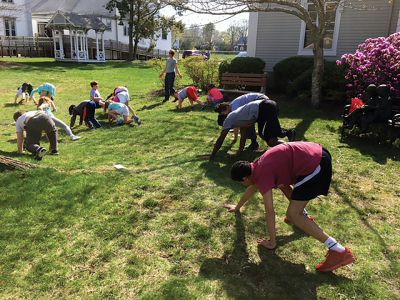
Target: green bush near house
[(252, 65), (293, 76), (289, 69)]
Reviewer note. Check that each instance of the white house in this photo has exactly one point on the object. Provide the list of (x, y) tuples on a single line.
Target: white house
[(275, 36), (15, 18), (30, 17)]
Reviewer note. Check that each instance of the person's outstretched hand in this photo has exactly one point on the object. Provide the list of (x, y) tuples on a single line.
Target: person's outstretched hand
[(230, 207), (266, 243)]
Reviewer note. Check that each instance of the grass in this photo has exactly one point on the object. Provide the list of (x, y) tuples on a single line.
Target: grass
[(77, 228)]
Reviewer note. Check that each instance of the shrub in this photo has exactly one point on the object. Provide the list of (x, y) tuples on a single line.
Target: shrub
[(252, 65), (333, 83), (289, 69), (376, 61), (202, 72)]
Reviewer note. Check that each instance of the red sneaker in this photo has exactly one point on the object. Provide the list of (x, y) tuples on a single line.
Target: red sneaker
[(287, 221), (336, 260)]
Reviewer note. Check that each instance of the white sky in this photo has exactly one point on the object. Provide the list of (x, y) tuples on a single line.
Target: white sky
[(190, 18)]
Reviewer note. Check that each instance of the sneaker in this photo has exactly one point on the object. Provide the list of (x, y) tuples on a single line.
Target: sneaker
[(120, 122), (165, 100), (54, 152), (75, 137), (175, 99), (253, 146), (40, 153), (287, 221), (137, 120), (291, 135), (336, 260)]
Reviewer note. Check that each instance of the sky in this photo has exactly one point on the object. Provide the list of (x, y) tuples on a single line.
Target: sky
[(190, 18)]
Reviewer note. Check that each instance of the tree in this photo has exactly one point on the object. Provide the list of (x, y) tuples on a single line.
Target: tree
[(317, 22), (237, 30), (191, 37), (143, 20), (208, 34)]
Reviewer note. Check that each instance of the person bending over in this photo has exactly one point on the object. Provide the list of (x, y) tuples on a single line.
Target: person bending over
[(302, 171)]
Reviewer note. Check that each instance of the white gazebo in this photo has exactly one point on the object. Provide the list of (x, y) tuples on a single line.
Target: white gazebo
[(77, 27)]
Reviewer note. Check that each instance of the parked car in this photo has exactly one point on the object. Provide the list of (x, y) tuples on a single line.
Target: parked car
[(242, 54), (188, 53)]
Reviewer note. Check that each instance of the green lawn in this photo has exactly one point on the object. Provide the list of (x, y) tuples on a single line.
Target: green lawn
[(77, 228)]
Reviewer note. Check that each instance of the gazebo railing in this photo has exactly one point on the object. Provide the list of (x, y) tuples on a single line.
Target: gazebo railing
[(44, 46)]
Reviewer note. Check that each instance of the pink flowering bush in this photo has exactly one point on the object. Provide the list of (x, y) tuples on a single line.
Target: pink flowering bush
[(376, 61)]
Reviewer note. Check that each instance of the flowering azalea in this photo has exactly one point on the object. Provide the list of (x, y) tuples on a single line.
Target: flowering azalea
[(375, 61)]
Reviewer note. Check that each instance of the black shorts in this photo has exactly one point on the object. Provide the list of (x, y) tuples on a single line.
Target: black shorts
[(317, 183), (268, 122)]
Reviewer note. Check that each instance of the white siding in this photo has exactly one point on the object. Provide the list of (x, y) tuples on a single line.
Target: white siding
[(22, 15), (356, 26), (277, 37), (252, 35), (278, 34)]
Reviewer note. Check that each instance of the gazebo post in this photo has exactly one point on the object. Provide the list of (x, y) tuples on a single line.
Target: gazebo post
[(102, 46), (71, 42), (76, 45), (54, 42), (61, 41), (87, 46), (97, 46)]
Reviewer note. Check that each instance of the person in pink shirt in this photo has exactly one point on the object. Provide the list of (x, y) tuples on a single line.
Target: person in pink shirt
[(302, 171), (215, 96)]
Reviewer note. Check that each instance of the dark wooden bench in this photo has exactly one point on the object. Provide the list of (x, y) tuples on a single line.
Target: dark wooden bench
[(236, 83), (392, 122)]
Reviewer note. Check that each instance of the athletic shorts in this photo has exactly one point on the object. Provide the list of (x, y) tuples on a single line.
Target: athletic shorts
[(268, 122), (123, 111), (317, 183)]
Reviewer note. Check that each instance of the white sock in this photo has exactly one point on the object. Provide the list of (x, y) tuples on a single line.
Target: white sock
[(332, 244)]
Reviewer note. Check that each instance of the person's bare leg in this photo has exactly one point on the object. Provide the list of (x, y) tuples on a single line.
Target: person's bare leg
[(295, 214)]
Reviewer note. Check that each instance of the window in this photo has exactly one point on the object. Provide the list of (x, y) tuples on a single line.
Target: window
[(8, 1), (9, 27), (164, 34), (126, 30), (108, 24), (332, 28)]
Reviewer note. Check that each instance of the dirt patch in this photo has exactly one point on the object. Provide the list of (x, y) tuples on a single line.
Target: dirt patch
[(9, 65)]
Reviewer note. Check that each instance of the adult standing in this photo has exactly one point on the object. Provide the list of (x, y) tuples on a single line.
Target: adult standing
[(170, 71)]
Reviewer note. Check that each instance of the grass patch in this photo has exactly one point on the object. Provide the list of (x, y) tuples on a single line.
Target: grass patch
[(77, 228)]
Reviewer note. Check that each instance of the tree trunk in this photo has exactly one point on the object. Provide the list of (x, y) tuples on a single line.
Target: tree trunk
[(317, 74), (8, 163), (135, 48)]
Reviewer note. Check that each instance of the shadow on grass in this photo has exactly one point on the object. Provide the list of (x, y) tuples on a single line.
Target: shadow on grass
[(52, 66), (380, 153), (390, 256), (272, 278), (152, 106)]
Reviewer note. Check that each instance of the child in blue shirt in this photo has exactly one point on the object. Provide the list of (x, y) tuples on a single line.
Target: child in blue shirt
[(116, 109)]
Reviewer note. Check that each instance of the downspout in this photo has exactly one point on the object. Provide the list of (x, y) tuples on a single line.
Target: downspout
[(116, 25), (391, 17)]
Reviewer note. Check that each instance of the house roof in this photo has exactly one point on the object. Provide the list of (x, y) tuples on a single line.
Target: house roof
[(82, 7), (73, 20)]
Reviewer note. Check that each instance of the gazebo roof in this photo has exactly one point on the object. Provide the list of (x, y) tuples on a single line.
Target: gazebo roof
[(63, 20)]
